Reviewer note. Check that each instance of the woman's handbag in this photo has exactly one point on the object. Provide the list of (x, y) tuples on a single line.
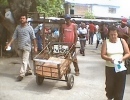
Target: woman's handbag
[(127, 61)]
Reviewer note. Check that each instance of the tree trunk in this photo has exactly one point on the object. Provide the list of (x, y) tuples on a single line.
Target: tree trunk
[(17, 7), (34, 9)]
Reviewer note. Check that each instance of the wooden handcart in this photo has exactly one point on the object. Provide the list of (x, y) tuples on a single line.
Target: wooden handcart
[(53, 62)]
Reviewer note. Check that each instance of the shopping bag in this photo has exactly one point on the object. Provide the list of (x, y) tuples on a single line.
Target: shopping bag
[(119, 66)]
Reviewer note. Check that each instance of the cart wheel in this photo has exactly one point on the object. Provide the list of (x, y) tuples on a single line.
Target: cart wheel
[(39, 80), (70, 81)]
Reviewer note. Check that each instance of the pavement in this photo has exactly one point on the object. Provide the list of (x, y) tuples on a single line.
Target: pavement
[(89, 85)]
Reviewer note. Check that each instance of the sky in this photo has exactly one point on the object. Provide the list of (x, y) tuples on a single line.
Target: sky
[(122, 3)]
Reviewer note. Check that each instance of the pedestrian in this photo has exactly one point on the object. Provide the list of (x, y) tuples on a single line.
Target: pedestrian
[(24, 34), (82, 38), (115, 51), (124, 32), (38, 34), (103, 30), (123, 29), (69, 35), (92, 30), (98, 35)]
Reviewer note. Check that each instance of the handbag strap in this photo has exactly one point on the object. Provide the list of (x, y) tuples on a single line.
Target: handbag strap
[(122, 45)]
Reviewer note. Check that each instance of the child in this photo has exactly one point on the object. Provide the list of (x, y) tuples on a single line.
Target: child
[(98, 35)]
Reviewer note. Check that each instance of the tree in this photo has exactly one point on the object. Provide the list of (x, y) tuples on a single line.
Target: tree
[(3, 2), (89, 15), (50, 7), (16, 7)]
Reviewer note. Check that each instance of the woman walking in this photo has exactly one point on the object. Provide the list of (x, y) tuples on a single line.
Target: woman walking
[(115, 50)]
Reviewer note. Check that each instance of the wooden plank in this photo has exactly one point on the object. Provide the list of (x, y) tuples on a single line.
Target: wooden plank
[(51, 70), (47, 74)]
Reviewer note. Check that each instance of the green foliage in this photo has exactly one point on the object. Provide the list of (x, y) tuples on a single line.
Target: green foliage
[(50, 7), (89, 15), (3, 3)]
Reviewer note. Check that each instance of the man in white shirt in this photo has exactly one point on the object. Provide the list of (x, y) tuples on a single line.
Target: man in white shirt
[(82, 37)]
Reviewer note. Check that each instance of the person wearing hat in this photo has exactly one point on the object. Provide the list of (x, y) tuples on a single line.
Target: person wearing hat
[(124, 32), (69, 35), (123, 29)]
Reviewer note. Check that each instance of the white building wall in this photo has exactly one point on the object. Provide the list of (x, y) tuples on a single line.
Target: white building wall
[(123, 10), (103, 11)]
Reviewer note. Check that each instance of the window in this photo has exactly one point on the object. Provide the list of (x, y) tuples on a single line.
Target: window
[(89, 8), (72, 11), (112, 10)]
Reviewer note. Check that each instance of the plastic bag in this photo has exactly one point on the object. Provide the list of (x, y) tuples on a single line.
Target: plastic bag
[(119, 66)]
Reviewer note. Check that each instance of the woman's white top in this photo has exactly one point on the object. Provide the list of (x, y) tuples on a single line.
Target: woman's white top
[(114, 50)]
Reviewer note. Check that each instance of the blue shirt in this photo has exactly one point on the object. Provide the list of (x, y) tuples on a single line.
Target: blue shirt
[(24, 35)]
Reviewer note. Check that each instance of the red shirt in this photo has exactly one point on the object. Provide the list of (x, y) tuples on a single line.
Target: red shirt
[(68, 34), (92, 28)]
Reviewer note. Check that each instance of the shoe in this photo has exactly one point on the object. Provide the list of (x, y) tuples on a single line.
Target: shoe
[(77, 73), (27, 73), (19, 78), (83, 54), (109, 99)]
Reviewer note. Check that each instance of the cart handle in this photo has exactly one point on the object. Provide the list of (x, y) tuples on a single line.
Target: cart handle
[(69, 51), (47, 61), (42, 50)]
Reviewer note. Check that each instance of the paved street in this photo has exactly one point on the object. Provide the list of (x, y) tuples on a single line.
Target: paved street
[(88, 86)]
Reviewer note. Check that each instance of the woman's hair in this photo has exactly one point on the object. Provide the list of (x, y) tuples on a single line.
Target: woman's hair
[(112, 28)]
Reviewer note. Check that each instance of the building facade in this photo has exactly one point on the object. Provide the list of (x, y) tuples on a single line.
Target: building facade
[(77, 10), (98, 10), (106, 11)]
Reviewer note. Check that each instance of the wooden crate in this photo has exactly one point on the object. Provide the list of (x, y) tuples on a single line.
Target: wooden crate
[(53, 70)]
